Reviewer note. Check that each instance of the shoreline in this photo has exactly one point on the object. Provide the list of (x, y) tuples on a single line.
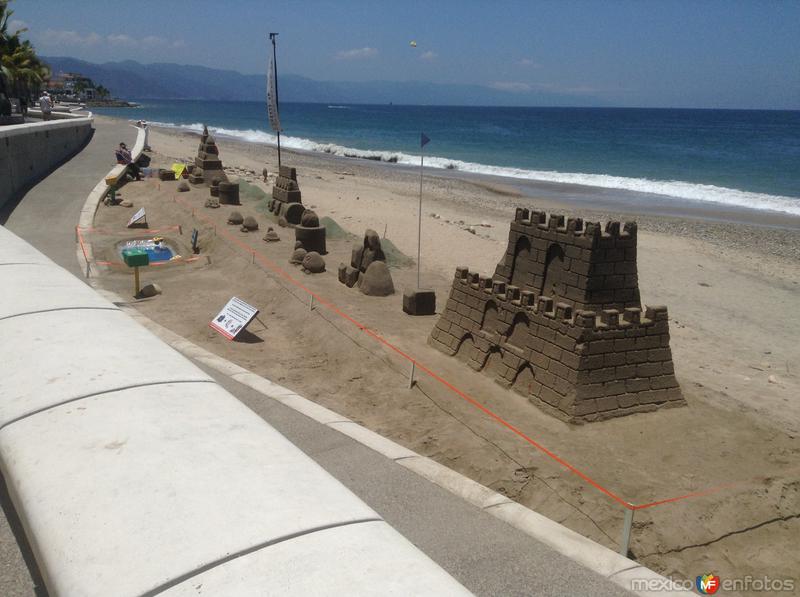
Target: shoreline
[(773, 234), (632, 192)]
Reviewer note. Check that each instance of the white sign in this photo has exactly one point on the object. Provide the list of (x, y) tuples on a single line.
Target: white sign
[(139, 215), (234, 317)]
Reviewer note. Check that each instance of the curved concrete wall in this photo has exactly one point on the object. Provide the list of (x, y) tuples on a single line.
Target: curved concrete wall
[(134, 473), (30, 151)]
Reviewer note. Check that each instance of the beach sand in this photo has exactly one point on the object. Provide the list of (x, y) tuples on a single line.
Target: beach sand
[(732, 292)]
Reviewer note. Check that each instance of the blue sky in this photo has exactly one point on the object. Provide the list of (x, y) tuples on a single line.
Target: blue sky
[(730, 53)]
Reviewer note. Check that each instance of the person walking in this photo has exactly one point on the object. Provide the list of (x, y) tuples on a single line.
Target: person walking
[(46, 105)]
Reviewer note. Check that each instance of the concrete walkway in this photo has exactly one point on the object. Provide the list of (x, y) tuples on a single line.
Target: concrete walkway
[(486, 555)]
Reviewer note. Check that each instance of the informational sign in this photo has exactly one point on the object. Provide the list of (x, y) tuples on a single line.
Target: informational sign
[(234, 317), (139, 216)]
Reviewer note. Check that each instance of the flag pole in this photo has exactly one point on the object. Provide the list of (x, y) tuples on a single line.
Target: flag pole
[(419, 224), (272, 37)]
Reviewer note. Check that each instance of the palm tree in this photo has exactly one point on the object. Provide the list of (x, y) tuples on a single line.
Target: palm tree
[(22, 72)]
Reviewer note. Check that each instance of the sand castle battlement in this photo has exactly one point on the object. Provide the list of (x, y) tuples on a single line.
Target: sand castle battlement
[(561, 323)]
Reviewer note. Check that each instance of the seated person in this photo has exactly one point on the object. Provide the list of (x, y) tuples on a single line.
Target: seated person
[(124, 157)]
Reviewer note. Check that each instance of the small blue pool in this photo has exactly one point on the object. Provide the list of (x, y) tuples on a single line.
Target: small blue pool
[(157, 251)]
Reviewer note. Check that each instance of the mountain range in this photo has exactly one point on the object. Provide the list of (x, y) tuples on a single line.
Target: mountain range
[(132, 80)]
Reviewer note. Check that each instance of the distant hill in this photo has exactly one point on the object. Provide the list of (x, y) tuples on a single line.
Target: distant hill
[(130, 79)]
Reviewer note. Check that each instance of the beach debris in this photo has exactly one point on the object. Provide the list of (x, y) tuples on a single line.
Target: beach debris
[(249, 224), (150, 290), (235, 218), (772, 379), (470, 229), (344, 173), (212, 202), (126, 203), (435, 216), (313, 263), (562, 289), (377, 280), (183, 186), (271, 236), (297, 256)]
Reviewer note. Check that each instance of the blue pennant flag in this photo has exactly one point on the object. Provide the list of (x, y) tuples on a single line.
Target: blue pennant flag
[(423, 140)]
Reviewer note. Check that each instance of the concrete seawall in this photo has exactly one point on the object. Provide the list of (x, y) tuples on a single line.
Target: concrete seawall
[(30, 151), (134, 473)]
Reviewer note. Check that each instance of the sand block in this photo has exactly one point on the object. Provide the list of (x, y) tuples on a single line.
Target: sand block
[(419, 301)]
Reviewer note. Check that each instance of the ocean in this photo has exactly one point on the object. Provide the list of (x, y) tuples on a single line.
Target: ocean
[(732, 158)]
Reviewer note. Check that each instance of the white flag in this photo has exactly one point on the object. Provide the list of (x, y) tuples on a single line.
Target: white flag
[(272, 97)]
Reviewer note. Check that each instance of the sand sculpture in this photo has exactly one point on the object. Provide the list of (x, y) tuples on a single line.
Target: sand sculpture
[(249, 224), (373, 281), (286, 201), (297, 256), (561, 321), (309, 233), (313, 263), (235, 218), (183, 186), (271, 236), (207, 164), (228, 192)]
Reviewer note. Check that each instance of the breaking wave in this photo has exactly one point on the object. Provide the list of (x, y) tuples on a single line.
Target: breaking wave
[(671, 188)]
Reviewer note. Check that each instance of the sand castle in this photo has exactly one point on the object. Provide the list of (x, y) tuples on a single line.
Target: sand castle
[(561, 321), (286, 200), (368, 267), (207, 164)]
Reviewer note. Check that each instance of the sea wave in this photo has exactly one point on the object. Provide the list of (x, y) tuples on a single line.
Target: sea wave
[(670, 188)]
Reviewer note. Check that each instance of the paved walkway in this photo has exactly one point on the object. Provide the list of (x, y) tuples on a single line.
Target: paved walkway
[(486, 555)]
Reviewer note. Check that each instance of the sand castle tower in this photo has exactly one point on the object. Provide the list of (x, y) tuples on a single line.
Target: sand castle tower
[(561, 321), (207, 164), (286, 201)]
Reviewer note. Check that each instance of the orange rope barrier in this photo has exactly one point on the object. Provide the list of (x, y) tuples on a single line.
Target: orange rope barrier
[(460, 393)]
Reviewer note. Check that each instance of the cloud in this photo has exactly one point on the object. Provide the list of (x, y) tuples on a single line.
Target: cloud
[(66, 38), (513, 86), (120, 39), (429, 55), (527, 62), (356, 54), (15, 25), (61, 37)]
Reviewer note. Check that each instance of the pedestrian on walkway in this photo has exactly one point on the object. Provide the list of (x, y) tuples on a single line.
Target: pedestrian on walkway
[(46, 105)]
